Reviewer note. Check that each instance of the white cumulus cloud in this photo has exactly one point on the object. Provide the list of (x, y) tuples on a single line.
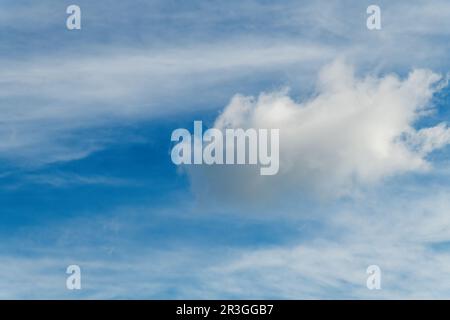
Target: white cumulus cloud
[(353, 132)]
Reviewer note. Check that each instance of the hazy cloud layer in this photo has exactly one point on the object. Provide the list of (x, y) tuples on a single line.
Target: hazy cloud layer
[(406, 236), (71, 83)]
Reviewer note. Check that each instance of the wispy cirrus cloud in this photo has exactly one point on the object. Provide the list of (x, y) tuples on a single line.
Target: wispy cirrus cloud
[(407, 235), (85, 84), (47, 104)]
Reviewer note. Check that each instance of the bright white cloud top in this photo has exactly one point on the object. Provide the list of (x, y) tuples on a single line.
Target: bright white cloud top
[(352, 133)]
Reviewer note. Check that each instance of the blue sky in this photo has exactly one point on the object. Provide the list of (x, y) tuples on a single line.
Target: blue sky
[(86, 176)]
